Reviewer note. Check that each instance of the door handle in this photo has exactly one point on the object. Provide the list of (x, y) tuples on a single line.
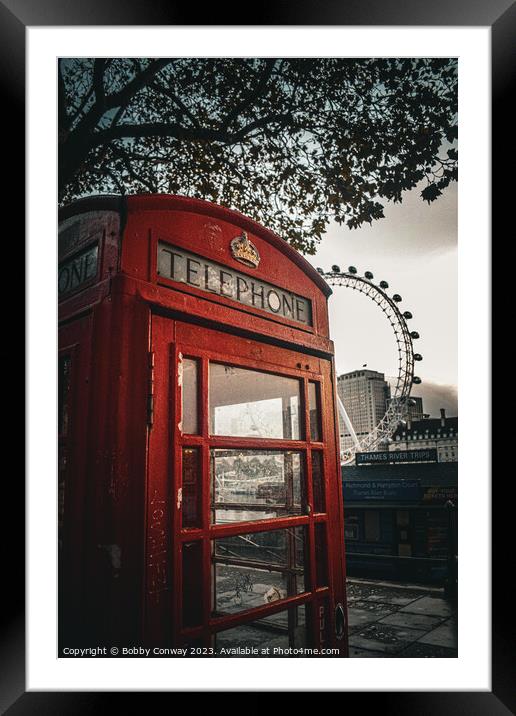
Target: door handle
[(340, 621)]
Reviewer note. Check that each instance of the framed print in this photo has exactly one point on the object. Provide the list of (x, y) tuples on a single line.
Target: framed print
[(228, 362)]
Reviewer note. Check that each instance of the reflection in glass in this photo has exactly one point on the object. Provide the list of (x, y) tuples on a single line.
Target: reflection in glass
[(189, 394), (257, 569), (191, 504), (318, 482), (249, 485), (251, 404), (192, 583), (287, 629), (315, 415)]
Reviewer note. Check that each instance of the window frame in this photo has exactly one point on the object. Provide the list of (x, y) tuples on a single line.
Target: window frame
[(206, 533)]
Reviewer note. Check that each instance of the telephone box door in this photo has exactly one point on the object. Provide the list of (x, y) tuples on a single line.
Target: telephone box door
[(244, 512)]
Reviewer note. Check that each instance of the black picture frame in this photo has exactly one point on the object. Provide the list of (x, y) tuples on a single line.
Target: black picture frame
[(15, 17)]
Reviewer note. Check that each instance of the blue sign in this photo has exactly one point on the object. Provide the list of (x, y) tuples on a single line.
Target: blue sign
[(382, 490), (396, 456)]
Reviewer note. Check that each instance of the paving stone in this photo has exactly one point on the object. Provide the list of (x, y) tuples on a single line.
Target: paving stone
[(358, 642), (399, 597), (443, 635), (433, 606), (356, 628), (417, 650), (412, 621), (357, 592), (360, 617), (377, 608), (356, 653), (354, 599), (400, 622), (384, 638)]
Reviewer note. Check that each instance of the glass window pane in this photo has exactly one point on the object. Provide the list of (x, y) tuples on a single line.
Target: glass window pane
[(249, 485), (191, 497), (254, 570), (313, 406), (352, 526), (251, 404), (192, 584), (189, 394), (273, 636), (318, 482), (372, 526)]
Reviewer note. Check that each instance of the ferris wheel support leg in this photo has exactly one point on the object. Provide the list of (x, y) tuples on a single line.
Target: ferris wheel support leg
[(347, 422)]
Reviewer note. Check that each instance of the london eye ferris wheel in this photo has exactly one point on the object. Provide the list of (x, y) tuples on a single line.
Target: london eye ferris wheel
[(405, 379)]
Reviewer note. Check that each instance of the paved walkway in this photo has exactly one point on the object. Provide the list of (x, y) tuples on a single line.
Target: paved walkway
[(388, 619)]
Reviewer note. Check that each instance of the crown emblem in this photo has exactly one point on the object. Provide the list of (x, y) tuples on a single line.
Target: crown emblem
[(244, 251)]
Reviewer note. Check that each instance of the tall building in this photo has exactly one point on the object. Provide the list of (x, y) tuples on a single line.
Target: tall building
[(414, 409), (440, 433), (365, 394)]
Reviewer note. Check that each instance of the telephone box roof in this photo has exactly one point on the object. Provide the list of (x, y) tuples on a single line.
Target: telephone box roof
[(171, 202)]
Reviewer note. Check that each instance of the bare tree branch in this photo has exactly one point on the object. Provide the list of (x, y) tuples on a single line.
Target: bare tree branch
[(167, 92), (121, 98), (163, 129), (63, 121), (292, 142), (98, 82), (252, 96)]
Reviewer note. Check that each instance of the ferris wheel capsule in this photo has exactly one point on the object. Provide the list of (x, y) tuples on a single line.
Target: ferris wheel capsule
[(368, 275), (407, 314), (413, 334), (351, 269), (397, 297), (418, 356), (416, 380), (335, 268), (384, 284)]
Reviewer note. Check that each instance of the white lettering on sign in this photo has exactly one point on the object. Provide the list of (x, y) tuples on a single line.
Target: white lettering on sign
[(206, 275)]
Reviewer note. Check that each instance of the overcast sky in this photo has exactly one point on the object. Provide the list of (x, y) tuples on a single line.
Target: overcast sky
[(414, 248)]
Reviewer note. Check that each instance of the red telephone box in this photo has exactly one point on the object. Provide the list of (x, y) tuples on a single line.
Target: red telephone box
[(200, 501)]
